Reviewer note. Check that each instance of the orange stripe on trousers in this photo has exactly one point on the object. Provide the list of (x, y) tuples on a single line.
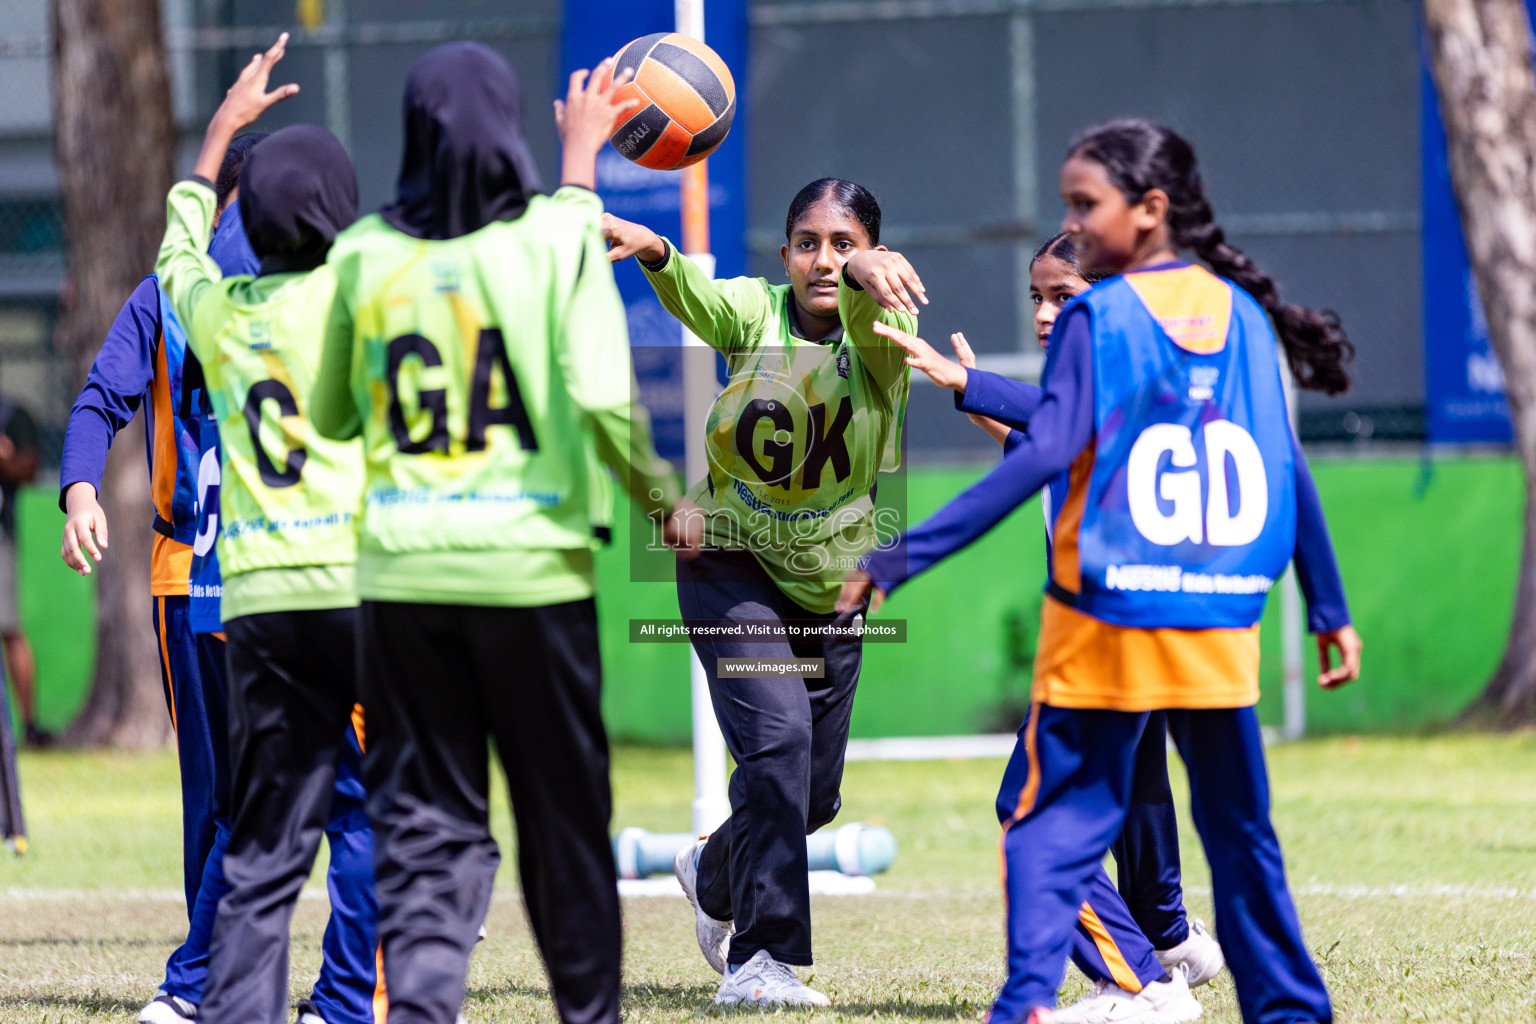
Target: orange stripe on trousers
[(1113, 958), (165, 663)]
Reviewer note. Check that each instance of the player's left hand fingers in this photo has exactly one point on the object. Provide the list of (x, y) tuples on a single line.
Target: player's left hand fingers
[(892, 285), (880, 290), (560, 118), (908, 275), (577, 82)]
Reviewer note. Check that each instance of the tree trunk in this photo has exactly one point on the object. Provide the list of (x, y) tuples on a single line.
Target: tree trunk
[(1480, 52), (115, 143)]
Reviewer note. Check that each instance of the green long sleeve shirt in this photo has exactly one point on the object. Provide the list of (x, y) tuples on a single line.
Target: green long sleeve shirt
[(489, 377), (803, 428)]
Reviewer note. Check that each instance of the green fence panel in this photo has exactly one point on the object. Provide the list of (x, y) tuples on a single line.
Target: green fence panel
[(1429, 551)]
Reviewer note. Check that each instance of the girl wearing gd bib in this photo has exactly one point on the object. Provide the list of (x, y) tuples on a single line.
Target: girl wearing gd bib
[(1160, 565)]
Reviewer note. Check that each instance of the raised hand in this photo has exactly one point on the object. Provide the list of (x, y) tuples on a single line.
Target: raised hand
[(587, 117), (243, 104), (889, 278), (946, 373)]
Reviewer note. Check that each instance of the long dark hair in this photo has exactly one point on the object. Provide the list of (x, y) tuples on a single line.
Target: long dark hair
[(1061, 247), (234, 161), (1139, 156), (854, 198)]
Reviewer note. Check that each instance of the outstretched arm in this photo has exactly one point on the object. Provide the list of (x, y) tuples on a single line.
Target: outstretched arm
[(1008, 401), (183, 265), (994, 429), (594, 357), (1060, 429), (722, 314)]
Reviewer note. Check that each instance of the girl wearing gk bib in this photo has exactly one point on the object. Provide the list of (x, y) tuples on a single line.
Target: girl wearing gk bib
[(1163, 402), (811, 415), (478, 346)]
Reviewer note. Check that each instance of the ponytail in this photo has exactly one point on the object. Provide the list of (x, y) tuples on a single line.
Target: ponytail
[(1139, 156)]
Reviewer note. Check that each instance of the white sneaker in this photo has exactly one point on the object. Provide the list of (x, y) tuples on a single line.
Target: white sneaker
[(714, 936), (1200, 955), (167, 1009), (1162, 1002), (763, 981)]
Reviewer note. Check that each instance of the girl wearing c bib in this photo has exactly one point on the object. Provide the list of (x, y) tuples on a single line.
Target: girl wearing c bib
[(1163, 402)]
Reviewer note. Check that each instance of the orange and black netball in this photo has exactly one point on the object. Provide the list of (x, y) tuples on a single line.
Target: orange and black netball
[(688, 100)]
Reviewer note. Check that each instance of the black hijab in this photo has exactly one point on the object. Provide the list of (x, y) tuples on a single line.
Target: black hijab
[(466, 162), (298, 190)]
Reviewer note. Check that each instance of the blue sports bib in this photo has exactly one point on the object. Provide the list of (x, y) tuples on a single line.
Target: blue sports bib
[(207, 584), (1190, 512)]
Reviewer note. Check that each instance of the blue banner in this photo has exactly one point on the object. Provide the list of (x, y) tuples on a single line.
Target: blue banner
[(595, 29), (1463, 382)]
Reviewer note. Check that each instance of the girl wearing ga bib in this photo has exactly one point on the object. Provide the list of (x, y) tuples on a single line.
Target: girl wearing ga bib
[(811, 415), (478, 347), (1163, 402)]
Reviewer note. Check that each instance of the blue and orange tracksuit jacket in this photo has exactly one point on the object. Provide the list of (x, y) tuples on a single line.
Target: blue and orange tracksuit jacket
[(144, 361)]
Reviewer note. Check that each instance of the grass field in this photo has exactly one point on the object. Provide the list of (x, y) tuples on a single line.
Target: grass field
[(1413, 862)]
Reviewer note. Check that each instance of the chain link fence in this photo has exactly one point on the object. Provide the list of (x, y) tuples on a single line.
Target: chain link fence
[(33, 373)]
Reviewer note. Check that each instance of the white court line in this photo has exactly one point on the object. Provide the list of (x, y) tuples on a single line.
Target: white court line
[(963, 748), (1427, 891), (823, 883), (931, 748)]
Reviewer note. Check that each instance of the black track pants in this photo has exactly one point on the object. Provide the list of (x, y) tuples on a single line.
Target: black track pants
[(439, 680), (292, 684), (788, 736)]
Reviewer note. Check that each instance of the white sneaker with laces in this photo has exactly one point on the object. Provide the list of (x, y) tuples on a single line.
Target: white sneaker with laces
[(1162, 1002), (714, 936), (1200, 955), (763, 981), (167, 1009)]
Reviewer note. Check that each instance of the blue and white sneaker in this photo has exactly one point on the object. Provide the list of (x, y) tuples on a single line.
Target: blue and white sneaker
[(167, 1009)]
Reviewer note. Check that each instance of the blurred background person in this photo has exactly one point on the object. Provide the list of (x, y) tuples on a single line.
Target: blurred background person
[(18, 465)]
